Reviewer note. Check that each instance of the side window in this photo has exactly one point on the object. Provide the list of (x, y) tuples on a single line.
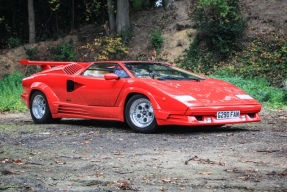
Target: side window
[(99, 69)]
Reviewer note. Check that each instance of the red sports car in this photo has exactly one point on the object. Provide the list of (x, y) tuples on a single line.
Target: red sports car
[(145, 95)]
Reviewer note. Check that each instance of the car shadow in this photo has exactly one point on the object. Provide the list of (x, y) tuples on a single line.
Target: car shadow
[(123, 127), (97, 124), (202, 129)]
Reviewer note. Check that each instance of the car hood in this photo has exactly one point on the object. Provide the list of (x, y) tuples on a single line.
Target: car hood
[(209, 92)]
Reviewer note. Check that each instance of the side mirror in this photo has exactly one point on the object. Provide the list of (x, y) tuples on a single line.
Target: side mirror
[(111, 76)]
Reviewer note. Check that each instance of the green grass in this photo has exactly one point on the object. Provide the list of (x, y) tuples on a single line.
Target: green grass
[(6, 187), (260, 89), (10, 91)]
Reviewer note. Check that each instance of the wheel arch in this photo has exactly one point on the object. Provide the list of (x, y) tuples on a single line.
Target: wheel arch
[(48, 92), (144, 93), (127, 94)]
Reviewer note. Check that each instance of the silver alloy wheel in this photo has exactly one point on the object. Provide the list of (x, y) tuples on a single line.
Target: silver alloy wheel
[(39, 106), (141, 113)]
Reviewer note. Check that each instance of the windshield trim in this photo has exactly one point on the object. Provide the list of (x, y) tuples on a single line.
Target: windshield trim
[(151, 74)]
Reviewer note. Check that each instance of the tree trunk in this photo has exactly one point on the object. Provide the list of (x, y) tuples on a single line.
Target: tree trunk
[(123, 16), (112, 23), (73, 16), (31, 20)]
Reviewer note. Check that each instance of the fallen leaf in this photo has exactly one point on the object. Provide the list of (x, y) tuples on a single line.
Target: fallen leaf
[(205, 173), (125, 185), (18, 162), (165, 180), (7, 172), (59, 162), (243, 178)]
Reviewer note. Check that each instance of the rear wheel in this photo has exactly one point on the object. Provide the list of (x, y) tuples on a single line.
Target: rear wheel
[(39, 109), (139, 114)]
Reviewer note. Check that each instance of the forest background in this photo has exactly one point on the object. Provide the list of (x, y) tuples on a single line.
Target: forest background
[(242, 41)]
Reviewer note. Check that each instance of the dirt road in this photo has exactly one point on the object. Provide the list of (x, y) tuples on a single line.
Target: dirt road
[(82, 155)]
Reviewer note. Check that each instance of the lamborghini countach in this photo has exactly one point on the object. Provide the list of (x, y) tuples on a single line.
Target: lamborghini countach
[(143, 94)]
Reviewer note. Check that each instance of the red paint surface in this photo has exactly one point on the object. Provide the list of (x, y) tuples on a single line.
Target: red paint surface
[(105, 97)]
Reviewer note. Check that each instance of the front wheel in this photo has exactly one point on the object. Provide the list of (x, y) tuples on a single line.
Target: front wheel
[(139, 114), (39, 108)]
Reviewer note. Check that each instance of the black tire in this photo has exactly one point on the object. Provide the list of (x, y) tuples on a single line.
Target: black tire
[(139, 114), (39, 108)]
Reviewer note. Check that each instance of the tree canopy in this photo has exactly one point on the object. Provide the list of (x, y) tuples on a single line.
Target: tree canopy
[(54, 18)]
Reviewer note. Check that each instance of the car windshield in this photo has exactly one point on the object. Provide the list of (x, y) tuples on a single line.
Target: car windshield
[(160, 71)]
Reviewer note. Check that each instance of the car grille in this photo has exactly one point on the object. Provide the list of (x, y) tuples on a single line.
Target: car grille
[(72, 68)]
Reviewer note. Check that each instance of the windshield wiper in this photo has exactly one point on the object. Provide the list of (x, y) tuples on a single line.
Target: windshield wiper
[(196, 79), (168, 78), (176, 78)]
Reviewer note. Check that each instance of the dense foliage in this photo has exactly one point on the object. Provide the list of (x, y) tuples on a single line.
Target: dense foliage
[(156, 39), (64, 52), (220, 27), (218, 45), (108, 48), (53, 18), (259, 89), (265, 58), (11, 89)]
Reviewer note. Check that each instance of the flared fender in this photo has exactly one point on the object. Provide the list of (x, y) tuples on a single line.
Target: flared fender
[(134, 90), (50, 95)]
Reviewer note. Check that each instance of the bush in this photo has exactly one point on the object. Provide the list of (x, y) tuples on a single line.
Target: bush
[(10, 92), (262, 58), (13, 42), (221, 25), (156, 39), (258, 88), (107, 48), (32, 54), (65, 52), (220, 29)]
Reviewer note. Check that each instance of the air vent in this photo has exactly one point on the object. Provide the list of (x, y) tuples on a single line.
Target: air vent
[(251, 115), (71, 110), (72, 68), (198, 118)]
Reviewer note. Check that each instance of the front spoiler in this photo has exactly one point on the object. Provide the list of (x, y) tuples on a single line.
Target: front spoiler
[(25, 99), (204, 116)]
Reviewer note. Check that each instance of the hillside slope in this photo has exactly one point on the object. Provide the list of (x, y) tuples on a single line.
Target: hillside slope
[(264, 17)]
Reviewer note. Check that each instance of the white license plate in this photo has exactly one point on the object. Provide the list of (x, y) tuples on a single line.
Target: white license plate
[(228, 114)]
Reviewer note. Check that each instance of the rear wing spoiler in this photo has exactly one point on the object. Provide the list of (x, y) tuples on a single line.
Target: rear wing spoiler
[(44, 64)]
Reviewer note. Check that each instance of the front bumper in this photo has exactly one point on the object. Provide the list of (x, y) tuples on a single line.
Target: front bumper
[(204, 116), (25, 99)]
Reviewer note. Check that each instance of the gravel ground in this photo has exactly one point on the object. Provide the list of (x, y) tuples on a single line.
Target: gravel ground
[(83, 155)]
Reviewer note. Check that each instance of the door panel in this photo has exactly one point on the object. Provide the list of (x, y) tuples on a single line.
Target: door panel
[(96, 91)]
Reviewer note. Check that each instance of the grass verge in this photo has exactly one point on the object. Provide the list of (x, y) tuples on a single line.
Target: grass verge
[(260, 89), (10, 91)]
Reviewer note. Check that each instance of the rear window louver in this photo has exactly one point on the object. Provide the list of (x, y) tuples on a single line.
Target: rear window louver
[(72, 68)]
